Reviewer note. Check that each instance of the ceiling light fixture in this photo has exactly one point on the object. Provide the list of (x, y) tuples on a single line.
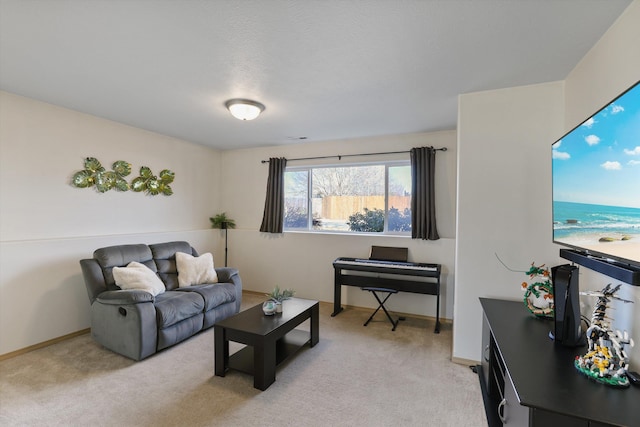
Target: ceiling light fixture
[(244, 109)]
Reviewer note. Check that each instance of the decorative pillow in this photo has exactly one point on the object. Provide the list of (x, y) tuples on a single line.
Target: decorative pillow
[(139, 277), (195, 270)]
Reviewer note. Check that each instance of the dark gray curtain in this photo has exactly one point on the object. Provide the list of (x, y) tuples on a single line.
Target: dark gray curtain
[(273, 217), (423, 204)]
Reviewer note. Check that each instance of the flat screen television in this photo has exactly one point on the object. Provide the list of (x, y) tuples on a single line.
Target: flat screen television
[(596, 183)]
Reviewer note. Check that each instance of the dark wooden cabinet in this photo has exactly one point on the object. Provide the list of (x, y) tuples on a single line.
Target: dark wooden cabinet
[(528, 380)]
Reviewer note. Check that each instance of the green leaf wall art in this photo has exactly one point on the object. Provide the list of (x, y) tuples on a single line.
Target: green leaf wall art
[(152, 184), (94, 174)]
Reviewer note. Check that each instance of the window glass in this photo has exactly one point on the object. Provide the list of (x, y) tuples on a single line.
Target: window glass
[(367, 198), (349, 198), (399, 199), (296, 199)]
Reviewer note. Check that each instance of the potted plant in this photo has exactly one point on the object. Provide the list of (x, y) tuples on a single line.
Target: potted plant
[(277, 295), (223, 222)]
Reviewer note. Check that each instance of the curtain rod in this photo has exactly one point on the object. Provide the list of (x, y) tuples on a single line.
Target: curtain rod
[(352, 155)]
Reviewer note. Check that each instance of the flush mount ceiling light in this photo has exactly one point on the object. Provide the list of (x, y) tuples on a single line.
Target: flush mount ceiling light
[(244, 109)]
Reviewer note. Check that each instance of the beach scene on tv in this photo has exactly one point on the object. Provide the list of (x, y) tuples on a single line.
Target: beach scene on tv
[(596, 181)]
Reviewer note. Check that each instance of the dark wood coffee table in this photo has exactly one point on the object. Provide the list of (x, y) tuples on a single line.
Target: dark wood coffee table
[(270, 340)]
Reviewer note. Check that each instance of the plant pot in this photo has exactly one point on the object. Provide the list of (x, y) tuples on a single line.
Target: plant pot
[(269, 308), (279, 307)]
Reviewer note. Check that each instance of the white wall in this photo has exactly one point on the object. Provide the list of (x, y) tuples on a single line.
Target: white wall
[(611, 66), (47, 226), (504, 198), (504, 182), (303, 261)]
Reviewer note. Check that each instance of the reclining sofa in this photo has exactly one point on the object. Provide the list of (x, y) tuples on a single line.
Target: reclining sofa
[(135, 323)]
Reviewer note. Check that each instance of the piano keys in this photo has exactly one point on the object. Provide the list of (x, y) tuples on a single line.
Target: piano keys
[(388, 264), (399, 275)]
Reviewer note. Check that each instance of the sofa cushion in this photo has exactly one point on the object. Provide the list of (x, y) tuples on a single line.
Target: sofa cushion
[(136, 276), (164, 255), (173, 307), (195, 270), (214, 295), (120, 256)]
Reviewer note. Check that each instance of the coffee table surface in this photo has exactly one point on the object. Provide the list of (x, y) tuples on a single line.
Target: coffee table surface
[(254, 321)]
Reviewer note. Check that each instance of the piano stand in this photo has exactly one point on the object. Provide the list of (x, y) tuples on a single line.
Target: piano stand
[(389, 292)]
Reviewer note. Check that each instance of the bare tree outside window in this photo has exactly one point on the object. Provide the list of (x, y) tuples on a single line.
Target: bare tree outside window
[(348, 181), (399, 206), (296, 199)]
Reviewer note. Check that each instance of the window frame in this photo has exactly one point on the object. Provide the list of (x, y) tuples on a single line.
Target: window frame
[(309, 169)]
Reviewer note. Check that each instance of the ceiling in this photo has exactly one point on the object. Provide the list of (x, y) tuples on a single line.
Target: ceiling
[(326, 70)]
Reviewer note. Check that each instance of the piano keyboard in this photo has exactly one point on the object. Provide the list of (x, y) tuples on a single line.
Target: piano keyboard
[(392, 264)]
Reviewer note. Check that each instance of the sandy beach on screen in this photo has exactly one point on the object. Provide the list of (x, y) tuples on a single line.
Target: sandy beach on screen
[(629, 249)]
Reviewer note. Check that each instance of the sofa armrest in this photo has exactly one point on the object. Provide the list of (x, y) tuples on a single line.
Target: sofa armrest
[(124, 326), (124, 297), (227, 274), (93, 278), (231, 275)]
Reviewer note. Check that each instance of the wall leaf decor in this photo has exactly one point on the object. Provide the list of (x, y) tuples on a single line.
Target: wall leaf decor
[(94, 174), (152, 184)]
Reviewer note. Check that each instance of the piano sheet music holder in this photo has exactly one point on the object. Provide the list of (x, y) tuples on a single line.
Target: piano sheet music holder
[(393, 272), (389, 253)]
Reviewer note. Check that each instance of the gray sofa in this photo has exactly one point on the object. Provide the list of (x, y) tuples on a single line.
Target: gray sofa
[(136, 324)]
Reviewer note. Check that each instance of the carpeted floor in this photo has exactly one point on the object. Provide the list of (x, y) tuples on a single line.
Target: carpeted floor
[(355, 376)]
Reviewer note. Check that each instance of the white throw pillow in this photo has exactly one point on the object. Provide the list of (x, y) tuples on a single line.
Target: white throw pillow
[(195, 270), (139, 277)]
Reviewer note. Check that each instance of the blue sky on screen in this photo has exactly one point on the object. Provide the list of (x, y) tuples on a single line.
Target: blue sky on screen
[(599, 161)]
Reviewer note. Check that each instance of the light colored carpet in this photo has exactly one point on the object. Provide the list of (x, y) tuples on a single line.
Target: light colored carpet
[(355, 376)]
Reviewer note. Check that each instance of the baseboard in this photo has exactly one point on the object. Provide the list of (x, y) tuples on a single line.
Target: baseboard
[(43, 344), (465, 362)]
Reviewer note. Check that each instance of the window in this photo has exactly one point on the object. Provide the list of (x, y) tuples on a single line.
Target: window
[(359, 198)]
